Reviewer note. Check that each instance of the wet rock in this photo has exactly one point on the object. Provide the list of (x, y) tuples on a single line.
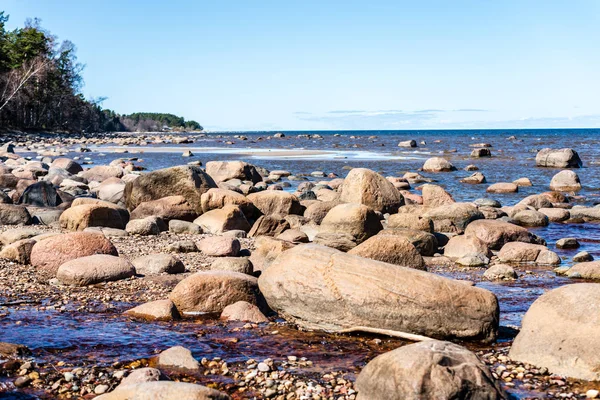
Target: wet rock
[(219, 198), (502, 187), (142, 227), (556, 214), (94, 269), (390, 249), (158, 310), (518, 252), (363, 186), (155, 264), (212, 291), (167, 208), (500, 272), (435, 196), (187, 181), (531, 218), (585, 270), (483, 152), (163, 390), (558, 158), (222, 171), (228, 218), (438, 164), (357, 220), (565, 181), (559, 332), (567, 243), (582, 256), (408, 143), (466, 245), (50, 253), (77, 218), (219, 246), (236, 264), (276, 202), (14, 215), (496, 233), (428, 370), (178, 226), (474, 179), (177, 357), (410, 221), (322, 288), (11, 350), (523, 182), (487, 203), (243, 311)]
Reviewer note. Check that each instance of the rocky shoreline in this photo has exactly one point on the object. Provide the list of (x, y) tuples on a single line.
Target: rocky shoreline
[(364, 264)]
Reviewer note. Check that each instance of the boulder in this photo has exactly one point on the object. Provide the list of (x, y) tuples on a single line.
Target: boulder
[(435, 196), (363, 186), (410, 221), (294, 236), (474, 179), (339, 241), (12, 235), (518, 252), (143, 227), (565, 181), (316, 211), (163, 390), (222, 171), (496, 233), (94, 269), (556, 214), (319, 287), (177, 357), (88, 200), (212, 291), (559, 332), (357, 220), (178, 226), (525, 182), (585, 270), (236, 264), (425, 242), (408, 143), (112, 191), (531, 218), (41, 194), (500, 272), (19, 251), (101, 173), (219, 246), (50, 253), (67, 164), (269, 225), (390, 249), (536, 201), (582, 256), (77, 218), (453, 218), (141, 375), (567, 243), (483, 152), (502, 187), (14, 215), (158, 310), (243, 311), (219, 198), (267, 249), (155, 264), (187, 181), (466, 245), (558, 158), (428, 370), (271, 202), (167, 208), (438, 164), (228, 218)]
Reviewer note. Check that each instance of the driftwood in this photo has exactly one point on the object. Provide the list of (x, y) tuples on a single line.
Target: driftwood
[(387, 332)]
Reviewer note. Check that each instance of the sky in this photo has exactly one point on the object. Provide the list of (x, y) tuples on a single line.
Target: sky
[(337, 65)]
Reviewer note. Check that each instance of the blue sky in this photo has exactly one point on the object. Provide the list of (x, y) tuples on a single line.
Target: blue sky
[(274, 65)]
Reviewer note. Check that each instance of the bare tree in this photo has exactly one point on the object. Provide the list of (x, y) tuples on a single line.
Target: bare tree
[(17, 78)]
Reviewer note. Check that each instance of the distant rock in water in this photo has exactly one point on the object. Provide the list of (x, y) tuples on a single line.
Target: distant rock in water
[(561, 158)]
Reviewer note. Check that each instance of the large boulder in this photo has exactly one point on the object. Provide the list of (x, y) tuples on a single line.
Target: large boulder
[(519, 252), (560, 332), (267, 249), (94, 269), (222, 171), (453, 218), (67, 164), (390, 249), (321, 288), (167, 208), (89, 200), (212, 291), (271, 202), (428, 370), (14, 215), (503, 187), (228, 218), (101, 173), (111, 190), (585, 270), (565, 181), (357, 220), (531, 218), (163, 390), (187, 181), (143, 227), (496, 233), (561, 158), (77, 218), (465, 246), (438, 164), (435, 196), (269, 225), (367, 187), (339, 241), (243, 311), (316, 211), (425, 242), (41, 194), (50, 253), (219, 198), (155, 264), (410, 221)]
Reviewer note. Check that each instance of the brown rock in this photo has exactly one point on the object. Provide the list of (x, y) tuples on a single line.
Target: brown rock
[(228, 218), (94, 269), (266, 250), (219, 198), (503, 187), (222, 171), (496, 233), (219, 246), (363, 186), (271, 202), (354, 219), (243, 311), (435, 196), (390, 249), (158, 310), (167, 208), (77, 218)]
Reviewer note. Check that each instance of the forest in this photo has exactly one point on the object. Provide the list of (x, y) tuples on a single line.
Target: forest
[(40, 89)]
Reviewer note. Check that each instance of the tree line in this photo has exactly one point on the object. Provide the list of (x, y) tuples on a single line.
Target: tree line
[(40, 89)]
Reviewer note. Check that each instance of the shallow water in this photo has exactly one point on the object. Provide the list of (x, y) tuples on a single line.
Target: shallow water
[(106, 338)]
